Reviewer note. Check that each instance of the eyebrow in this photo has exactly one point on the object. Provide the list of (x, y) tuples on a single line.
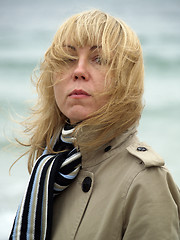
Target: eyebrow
[(95, 47), (71, 47), (91, 49)]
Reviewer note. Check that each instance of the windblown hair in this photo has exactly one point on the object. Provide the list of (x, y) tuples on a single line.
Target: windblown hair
[(121, 53)]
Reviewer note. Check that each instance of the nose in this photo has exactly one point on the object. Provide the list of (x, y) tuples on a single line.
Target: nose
[(81, 70)]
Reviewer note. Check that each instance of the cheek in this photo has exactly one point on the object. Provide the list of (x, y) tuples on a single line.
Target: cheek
[(58, 94), (101, 81), (101, 101), (59, 88), (102, 96), (100, 86)]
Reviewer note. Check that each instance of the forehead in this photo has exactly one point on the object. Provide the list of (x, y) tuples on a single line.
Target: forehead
[(80, 35)]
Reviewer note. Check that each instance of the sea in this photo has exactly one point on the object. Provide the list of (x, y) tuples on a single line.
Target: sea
[(26, 31)]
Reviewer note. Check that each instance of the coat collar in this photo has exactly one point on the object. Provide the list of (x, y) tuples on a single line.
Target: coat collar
[(95, 157)]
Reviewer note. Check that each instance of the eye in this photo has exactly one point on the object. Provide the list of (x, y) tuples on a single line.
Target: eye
[(69, 60), (97, 59)]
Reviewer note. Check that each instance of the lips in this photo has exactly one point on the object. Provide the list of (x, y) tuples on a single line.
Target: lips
[(79, 92)]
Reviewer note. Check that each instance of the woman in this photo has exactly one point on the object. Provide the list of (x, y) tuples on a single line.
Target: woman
[(83, 141)]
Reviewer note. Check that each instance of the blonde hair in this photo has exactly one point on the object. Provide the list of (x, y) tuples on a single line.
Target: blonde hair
[(121, 51)]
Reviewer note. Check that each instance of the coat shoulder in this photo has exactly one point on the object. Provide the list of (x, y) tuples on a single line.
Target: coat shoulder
[(145, 153)]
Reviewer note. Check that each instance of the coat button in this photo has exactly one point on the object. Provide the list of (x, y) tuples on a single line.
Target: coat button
[(141, 149), (107, 149), (86, 184)]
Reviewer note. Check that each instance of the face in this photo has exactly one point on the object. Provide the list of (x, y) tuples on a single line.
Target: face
[(77, 90)]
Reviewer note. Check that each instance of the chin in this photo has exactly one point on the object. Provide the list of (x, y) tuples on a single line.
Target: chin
[(75, 119), (77, 114)]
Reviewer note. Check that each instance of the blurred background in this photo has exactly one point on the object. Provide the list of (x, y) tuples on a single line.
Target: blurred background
[(26, 31)]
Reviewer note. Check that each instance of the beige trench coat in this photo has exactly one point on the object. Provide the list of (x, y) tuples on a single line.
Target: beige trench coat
[(123, 191)]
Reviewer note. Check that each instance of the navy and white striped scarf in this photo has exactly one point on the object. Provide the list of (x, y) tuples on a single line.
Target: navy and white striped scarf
[(51, 174)]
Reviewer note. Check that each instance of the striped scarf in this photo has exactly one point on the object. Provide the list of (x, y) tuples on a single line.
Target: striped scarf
[(51, 174)]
